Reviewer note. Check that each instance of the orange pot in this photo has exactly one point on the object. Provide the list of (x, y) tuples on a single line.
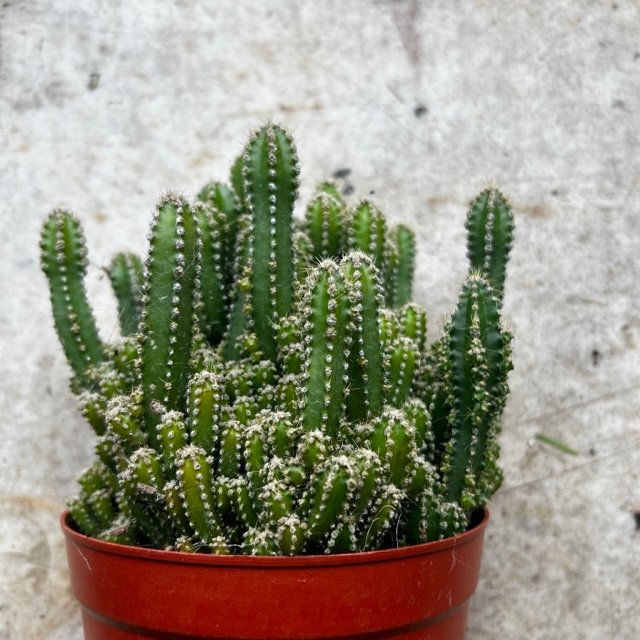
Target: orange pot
[(419, 592)]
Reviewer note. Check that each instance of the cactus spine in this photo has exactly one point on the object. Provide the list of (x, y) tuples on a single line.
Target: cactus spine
[(273, 392)]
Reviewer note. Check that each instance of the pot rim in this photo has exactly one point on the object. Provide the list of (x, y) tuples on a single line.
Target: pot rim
[(275, 562)]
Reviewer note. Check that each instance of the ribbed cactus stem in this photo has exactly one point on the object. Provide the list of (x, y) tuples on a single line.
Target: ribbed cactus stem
[(213, 306), (325, 316), (196, 491), (365, 366), (479, 365), (393, 438), (330, 188), (172, 436), (332, 492), (240, 313), (171, 275), (412, 323), (126, 276), (236, 178), (270, 170), (399, 276), (122, 420), (64, 262), (206, 397), (367, 232), (93, 407), (403, 361), (325, 226), (489, 237), (224, 200)]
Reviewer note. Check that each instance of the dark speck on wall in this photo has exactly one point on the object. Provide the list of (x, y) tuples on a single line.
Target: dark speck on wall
[(636, 517), (420, 110), (595, 357), (94, 81), (347, 190), (342, 173)]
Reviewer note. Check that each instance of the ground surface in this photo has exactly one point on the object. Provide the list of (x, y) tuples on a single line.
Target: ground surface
[(103, 105)]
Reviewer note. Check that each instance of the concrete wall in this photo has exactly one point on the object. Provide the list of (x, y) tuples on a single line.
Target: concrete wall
[(103, 105)]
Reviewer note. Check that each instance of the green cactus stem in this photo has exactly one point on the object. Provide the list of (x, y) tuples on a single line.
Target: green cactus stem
[(400, 268), (325, 314), (172, 436), (213, 306), (325, 227), (490, 227), (64, 262), (480, 360), (403, 362), (330, 188), (240, 314), (126, 276), (195, 479), (270, 171), (206, 397), (365, 366), (172, 272), (367, 233), (412, 323)]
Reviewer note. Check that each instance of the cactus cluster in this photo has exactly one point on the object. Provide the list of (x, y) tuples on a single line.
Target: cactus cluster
[(273, 391)]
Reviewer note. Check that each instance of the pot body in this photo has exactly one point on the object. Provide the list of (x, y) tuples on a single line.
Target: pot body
[(419, 592)]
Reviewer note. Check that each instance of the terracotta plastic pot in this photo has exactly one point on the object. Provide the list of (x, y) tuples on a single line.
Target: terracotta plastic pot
[(420, 592)]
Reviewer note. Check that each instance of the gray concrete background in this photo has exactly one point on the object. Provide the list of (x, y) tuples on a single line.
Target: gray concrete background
[(103, 105)]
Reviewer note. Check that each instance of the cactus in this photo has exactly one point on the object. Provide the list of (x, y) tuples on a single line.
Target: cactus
[(273, 391)]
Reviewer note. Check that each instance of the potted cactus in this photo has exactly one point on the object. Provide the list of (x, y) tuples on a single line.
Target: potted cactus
[(279, 452)]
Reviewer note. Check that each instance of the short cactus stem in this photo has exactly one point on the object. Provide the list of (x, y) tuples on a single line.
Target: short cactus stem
[(195, 479), (330, 188), (325, 226), (330, 496), (93, 407), (367, 233), (412, 323), (380, 517), (167, 320), (206, 397), (231, 449), (403, 361), (393, 438), (489, 237), (126, 276), (121, 417), (64, 262), (172, 436)]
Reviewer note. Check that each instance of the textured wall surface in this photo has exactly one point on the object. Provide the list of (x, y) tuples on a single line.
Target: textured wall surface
[(103, 105)]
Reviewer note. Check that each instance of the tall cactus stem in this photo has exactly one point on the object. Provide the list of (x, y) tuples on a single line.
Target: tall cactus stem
[(270, 170), (64, 262), (171, 278)]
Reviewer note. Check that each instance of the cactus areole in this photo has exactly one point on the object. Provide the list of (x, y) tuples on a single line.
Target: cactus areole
[(273, 402)]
